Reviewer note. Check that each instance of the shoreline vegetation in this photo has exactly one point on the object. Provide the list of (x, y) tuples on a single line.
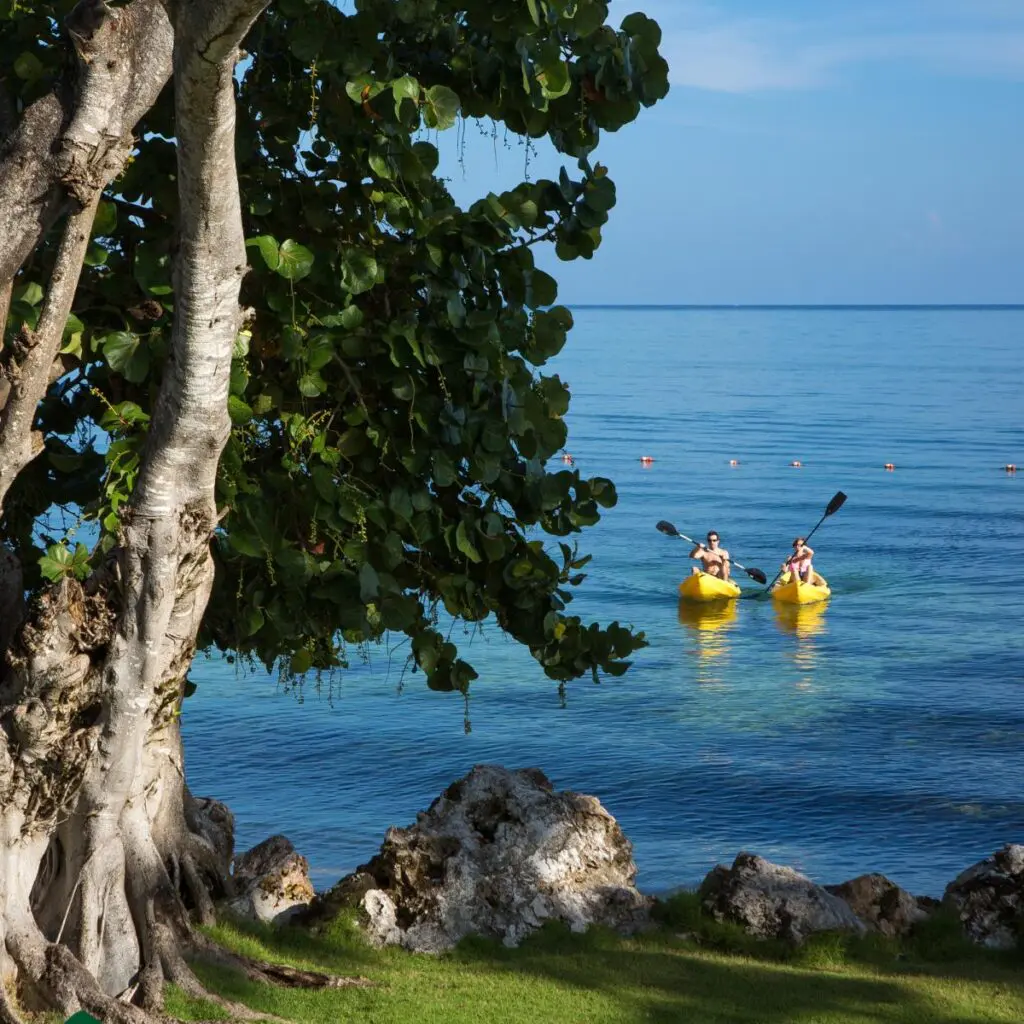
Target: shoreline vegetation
[(688, 968)]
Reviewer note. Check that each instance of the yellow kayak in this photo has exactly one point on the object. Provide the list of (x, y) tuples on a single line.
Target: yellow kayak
[(702, 586), (791, 591)]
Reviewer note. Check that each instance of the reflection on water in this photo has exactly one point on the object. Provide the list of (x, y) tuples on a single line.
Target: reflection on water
[(711, 624), (807, 623)]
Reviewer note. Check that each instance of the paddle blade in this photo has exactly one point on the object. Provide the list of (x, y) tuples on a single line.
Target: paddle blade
[(668, 528), (756, 574), (835, 504)]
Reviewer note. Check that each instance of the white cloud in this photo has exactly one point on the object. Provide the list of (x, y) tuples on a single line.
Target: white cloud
[(708, 49)]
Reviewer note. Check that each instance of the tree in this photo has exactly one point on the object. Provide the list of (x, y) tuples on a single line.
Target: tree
[(304, 382)]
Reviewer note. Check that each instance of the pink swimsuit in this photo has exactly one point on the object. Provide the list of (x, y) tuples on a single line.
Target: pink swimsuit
[(800, 567)]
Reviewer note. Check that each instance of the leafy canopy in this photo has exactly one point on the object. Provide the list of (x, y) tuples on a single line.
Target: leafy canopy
[(391, 425)]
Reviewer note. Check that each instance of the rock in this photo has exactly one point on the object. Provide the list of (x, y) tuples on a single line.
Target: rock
[(772, 901), (497, 854), (271, 882), (989, 898), (214, 821), (882, 904)]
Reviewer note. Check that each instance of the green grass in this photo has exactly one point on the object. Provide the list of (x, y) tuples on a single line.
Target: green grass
[(689, 969)]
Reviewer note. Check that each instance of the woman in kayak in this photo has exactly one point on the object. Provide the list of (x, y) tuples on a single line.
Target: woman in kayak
[(714, 559), (799, 563)]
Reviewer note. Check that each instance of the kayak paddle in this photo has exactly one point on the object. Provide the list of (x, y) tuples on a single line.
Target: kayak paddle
[(754, 574), (833, 507)]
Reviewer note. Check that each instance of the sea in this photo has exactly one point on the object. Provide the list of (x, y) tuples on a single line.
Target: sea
[(882, 731)]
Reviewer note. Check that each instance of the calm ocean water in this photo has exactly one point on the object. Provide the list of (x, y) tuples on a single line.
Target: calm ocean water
[(883, 733)]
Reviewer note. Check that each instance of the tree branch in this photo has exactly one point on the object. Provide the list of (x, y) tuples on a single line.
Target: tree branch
[(6, 287), (28, 362), (70, 143), (190, 422)]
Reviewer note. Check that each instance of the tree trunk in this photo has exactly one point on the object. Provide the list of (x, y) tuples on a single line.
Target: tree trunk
[(100, 840)]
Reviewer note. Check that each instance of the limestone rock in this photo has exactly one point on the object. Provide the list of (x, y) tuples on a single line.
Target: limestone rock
[(773, 901), (882, 904), (271, 882), (497, 854), (989, 897), (214, 821)]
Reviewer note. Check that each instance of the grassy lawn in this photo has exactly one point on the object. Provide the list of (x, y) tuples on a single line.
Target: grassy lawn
[(687, 970)]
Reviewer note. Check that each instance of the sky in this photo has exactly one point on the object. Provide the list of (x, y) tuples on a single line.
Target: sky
[(809, 152)]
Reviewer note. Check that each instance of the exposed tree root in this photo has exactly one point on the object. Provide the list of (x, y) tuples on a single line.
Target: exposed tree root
[(269, 973)]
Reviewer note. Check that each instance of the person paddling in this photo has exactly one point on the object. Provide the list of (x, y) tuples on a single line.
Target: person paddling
[(714, 560), (799, 563)]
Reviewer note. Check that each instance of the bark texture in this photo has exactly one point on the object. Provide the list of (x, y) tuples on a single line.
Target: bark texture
[(75, 140), (101, 851)]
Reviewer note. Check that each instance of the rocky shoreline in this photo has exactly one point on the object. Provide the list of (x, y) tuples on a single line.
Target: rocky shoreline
[(501, 852)]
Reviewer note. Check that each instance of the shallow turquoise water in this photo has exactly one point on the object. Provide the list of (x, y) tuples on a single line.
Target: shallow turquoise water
[(885, 733)]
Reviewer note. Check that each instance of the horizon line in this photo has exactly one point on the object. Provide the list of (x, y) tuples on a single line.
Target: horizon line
[(798, 305)]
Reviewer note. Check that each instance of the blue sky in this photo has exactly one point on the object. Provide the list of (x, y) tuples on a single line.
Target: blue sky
[(823, 152)]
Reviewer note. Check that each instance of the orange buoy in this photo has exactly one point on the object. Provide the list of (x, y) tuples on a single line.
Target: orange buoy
[(796, 463), (1010, 468), (734, 462), (889, 466), (646, 459)]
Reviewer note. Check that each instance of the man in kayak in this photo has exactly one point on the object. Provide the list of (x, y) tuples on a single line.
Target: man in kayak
[(799, 563), (714, 560)]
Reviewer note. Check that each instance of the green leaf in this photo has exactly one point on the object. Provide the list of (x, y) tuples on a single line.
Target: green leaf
[(456, 310), (124, 354), (307, 41), (296, 261), (358, 272), (122, 416), (441, 107), (302, 662), (325, 483), (239, 412), (106, 219), (543, 289), (369, 583), (427, 155), (268, 249), (639, 24), (405, 88), (96, 255), (153, 269), (28, 66), (589, 17), (73, 326), (380, 166), (59, 561), (246, 543), (554, 79), (363, 88), (31, 292), (464, 544), (254, 621), (312, 384)]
